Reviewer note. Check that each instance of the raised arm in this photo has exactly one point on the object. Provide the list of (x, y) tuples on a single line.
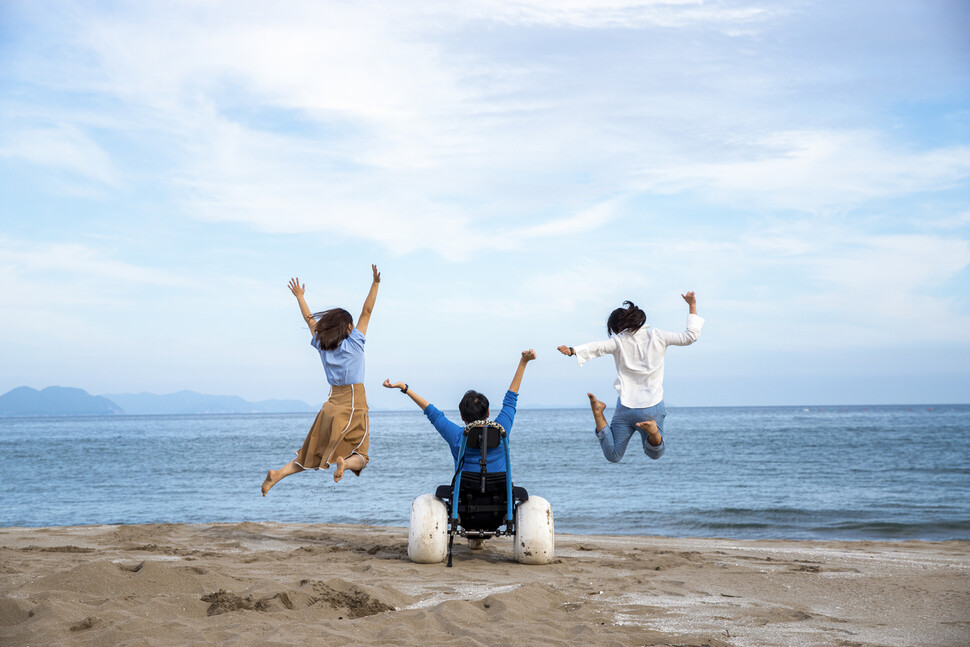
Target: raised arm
[(297, 291), (404, 388), (693, 330), (364, 318), (527, 356)]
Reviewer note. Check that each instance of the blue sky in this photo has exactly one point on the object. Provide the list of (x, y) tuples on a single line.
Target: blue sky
[(516, 169)]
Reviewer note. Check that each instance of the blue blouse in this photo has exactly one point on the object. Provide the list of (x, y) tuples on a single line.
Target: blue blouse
[(345, 364)]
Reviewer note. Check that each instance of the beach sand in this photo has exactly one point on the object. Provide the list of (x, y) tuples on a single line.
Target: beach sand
[(286, 584)]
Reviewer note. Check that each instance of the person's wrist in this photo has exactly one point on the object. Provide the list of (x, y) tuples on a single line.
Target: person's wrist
[(405, 389), (572, 351)]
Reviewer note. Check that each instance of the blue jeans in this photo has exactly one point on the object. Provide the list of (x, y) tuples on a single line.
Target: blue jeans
[(615, 436)]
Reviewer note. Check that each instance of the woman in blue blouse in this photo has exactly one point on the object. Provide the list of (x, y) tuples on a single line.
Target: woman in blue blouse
[(340, 432)]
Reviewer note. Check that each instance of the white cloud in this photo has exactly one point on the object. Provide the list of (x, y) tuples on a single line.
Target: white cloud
[(948, 222), (366, 120), (815, 171), (74, 294), (72, 261), (61, 146), (322, 59), (388, 97), (587, 220), (897, 279), (591, 14)]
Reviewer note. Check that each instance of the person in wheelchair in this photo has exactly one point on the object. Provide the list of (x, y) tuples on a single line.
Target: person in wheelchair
[(477, 479), (473, 408), (481, 497)]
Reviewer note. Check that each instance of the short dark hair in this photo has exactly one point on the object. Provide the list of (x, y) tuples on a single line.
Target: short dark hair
[(473, 406), (629, 318), (331, 328)]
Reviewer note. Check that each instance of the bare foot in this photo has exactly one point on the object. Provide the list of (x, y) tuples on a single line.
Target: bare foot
[(339, 472), (269, 482), (598, 409), (653, 434)]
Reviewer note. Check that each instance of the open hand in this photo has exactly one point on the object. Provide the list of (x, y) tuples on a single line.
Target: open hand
[(565, 351), (377, 275), (528, 355), (296, 288)]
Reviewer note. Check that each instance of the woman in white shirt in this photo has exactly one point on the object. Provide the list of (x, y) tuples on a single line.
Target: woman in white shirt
[(638, 351)]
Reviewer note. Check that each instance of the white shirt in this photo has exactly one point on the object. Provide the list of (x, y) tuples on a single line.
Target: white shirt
[(639, 360)]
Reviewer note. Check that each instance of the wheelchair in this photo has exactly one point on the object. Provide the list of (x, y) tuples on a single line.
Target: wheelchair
[(479, 506)]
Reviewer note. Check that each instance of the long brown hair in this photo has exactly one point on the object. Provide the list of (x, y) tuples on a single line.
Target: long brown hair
[(331, 328), (629, 318)]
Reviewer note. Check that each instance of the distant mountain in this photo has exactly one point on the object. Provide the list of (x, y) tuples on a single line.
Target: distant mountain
[(66, 401), (54, 401), (192, 402)]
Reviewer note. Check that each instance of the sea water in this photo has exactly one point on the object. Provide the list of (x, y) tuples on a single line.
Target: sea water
[(878, 472)]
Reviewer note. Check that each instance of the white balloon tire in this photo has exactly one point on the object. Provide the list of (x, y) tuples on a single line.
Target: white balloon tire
[(428, 530), (535, 532)]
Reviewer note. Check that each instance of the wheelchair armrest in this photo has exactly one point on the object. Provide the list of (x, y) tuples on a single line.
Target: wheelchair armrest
[(443, 492)]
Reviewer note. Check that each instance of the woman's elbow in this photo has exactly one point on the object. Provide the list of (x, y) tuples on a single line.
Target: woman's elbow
[(691, 336)]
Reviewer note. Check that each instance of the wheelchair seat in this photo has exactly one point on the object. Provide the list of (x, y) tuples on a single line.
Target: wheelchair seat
[(482, 511)]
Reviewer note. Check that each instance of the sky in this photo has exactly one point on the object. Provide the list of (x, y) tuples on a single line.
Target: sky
[(516, 169)]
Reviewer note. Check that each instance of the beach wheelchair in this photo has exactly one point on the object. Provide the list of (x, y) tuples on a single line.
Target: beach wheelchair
[(477, 505)]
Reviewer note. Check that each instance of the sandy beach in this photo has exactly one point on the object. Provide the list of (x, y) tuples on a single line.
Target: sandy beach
[(284, 584)]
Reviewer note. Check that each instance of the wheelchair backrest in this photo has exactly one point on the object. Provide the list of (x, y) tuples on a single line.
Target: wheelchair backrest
[(483, 508), (494, 486)]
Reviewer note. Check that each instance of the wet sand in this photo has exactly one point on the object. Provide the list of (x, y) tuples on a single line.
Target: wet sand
[(285, 584)]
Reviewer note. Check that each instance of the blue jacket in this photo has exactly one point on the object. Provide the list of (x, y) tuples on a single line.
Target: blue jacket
[(452, 434)]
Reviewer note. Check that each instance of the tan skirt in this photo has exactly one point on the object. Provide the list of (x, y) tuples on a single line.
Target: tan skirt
[(340, 429)]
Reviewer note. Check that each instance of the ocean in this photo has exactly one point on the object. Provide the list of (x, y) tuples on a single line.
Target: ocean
[(857, 473)]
